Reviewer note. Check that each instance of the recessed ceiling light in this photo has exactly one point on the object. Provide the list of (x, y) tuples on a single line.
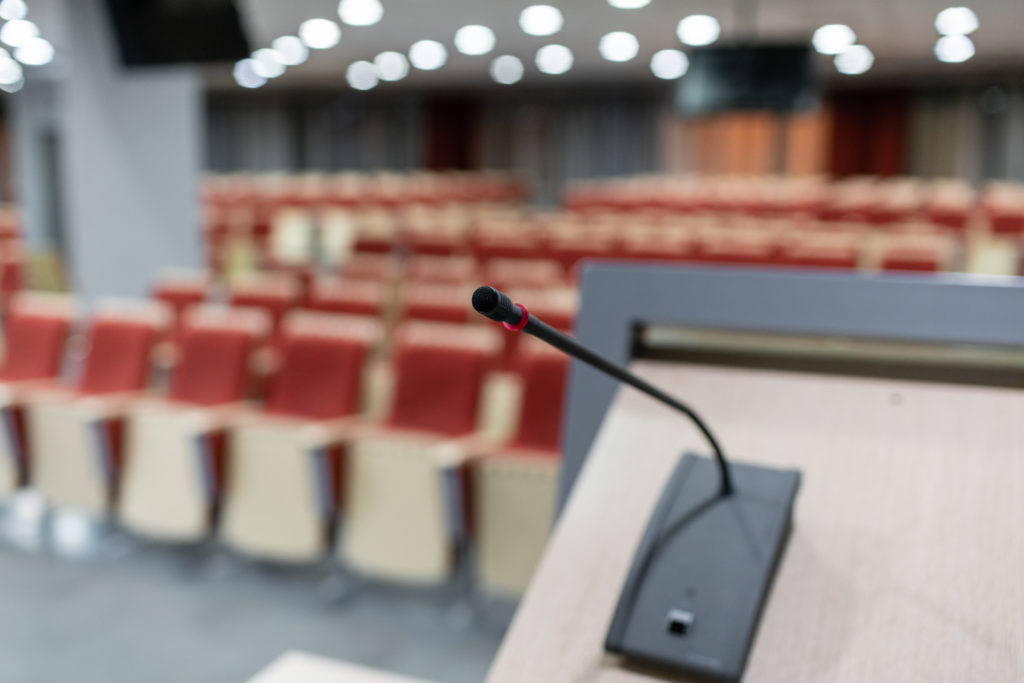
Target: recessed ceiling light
[(854, 60), (35, 52), (669, 64), (954, 49), (629, 4), (319, 34), (956, 21), (246, 76), (362, 75), (554, 60), (831, 39), (474, 40), (698, 29), (360, 12), (10, 71), (428, 55), (267, 63), (391, 66), (291, 50), (13, 9), (541, 20), (618, 46), (18, 32), (507, 69)]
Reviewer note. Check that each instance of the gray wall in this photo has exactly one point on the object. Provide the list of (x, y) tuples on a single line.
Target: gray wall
[(130, 160)]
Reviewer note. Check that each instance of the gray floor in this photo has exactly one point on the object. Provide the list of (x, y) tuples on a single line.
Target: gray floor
[(133, 612)]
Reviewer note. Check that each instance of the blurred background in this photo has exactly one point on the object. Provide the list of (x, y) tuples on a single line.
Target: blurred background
[(247, 407)]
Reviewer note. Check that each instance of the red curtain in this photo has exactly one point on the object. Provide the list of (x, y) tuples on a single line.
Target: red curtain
[(869, 133)]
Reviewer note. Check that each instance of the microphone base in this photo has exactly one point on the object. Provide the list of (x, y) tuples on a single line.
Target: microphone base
[(693, 597)]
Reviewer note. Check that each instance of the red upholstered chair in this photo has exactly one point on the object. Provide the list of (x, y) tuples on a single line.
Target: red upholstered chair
[(526, 273), (36, 330), (441, 269), (273, 293), (571, 248), (76, 431), (824, 249), (404, 511), (171, 475), (437, 302), (738, 247), (352, 297), (179, 290), (515, 487), (379, 267), (281, 495), (520, 241)]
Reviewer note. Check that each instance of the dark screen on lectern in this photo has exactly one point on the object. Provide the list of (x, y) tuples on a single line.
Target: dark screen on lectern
[(721, 78), (151, 32)]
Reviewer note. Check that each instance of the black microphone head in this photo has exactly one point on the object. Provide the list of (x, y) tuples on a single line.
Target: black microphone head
[(495, 305)]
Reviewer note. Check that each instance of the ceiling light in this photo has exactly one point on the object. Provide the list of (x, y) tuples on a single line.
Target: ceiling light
[(854, 60), (362, 75), (13, 87), (954, 49), (474, 40), (698, 29), (554, 59), (956, 21), (629, 4), (618, 46), (267, 63), (391, 66), (246, 76), (18, 32), (506, 69), (831, 39), (35, 52), (360, 12), (428, 55), (10, 71), (13, 9), (319, 34), (291, 50), (669, 64), (541, 20)]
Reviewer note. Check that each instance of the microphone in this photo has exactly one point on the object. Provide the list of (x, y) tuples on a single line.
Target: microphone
[(497, 306)]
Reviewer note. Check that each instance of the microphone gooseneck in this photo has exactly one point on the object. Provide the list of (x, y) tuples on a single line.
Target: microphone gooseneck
[(497, 306)]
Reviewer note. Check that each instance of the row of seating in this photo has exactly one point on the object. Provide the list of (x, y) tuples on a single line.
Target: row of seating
[(309, 470), (999, 207)]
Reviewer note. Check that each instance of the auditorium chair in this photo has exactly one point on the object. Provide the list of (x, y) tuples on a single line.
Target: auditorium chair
[(75, 431), (515, 486), (174, 444), (500, 240), (273, 293), (441, 269), (179, 290), (821, 249), (667, 243), (36, 329), (738, 246), (353, 297), (437, 302), (570, 248), (283, 466), (379, 267), (404, 511), (525, 273), (292, 237)]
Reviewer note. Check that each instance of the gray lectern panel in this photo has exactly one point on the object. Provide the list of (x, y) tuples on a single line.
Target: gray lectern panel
[(945, 309)]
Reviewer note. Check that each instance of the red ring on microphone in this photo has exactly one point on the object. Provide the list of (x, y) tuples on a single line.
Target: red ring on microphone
[(522, 321)]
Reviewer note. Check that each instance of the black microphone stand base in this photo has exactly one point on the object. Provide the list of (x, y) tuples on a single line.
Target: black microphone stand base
[(693, 597)]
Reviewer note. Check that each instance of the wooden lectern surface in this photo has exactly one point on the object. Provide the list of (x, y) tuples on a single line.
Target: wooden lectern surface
[(295, 666), (906, 561)]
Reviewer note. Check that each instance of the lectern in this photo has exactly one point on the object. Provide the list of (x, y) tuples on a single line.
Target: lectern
[(904, 558)]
